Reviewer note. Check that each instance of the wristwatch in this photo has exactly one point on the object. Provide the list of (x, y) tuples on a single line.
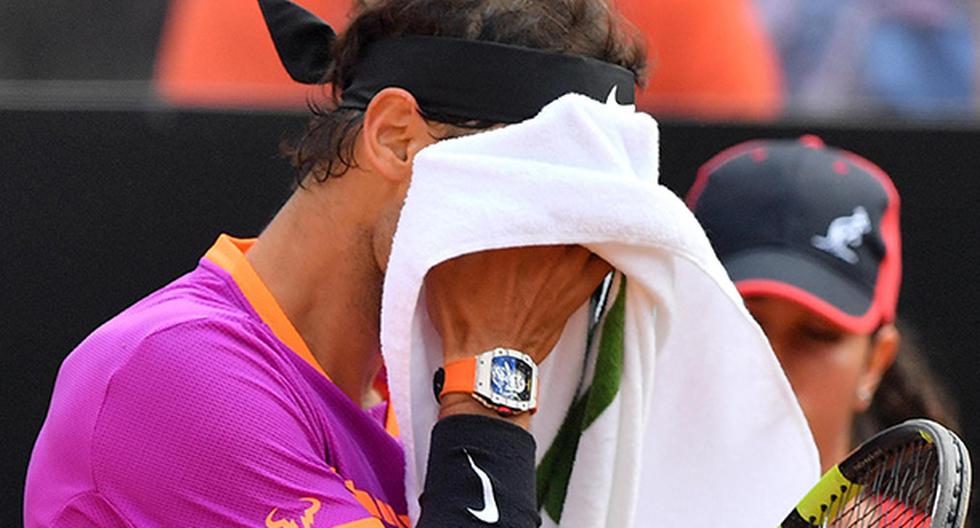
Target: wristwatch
[(502, 379)]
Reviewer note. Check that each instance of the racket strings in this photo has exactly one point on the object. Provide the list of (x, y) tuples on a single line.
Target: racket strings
[(905, 489), (897, 491)]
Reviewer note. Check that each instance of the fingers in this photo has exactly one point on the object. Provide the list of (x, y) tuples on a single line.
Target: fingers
[(593, 269), (596, 269), (581, 281)]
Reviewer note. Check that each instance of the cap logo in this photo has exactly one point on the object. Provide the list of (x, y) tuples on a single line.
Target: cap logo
[(844, 235)]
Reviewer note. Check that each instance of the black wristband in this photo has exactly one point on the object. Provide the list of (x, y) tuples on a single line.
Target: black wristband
[(480, 473)]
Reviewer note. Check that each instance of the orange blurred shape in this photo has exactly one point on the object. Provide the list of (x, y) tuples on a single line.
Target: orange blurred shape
[(218, 53), (709, 59)]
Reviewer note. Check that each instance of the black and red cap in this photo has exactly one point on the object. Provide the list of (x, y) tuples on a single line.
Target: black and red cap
[(809, 223)]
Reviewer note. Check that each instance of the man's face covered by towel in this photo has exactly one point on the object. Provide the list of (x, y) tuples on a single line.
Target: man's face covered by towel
[(344, 140), (355, 166)]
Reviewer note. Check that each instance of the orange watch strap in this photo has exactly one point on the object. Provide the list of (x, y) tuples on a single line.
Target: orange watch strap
[(460, 376)]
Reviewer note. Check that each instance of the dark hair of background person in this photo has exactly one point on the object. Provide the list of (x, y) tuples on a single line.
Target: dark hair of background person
[(581, 27), (909, 389)]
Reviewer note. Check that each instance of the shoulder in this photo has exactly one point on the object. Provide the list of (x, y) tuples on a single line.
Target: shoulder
[(178, 340), (190, 354), (188, 360), (200, 294), (198, 310), (224, 364), (203, 427), (198, 297), (201, 411)]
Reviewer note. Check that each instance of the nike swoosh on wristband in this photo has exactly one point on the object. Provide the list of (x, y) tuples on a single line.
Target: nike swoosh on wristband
[(489, 513)]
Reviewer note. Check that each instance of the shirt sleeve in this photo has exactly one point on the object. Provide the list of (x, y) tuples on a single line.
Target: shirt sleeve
[(200, 429)]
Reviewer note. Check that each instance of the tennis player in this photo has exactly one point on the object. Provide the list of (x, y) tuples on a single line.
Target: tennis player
[(810, 236), (242, 394)]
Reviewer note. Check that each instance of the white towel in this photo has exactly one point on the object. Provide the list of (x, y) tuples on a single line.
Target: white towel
[(703, 427)]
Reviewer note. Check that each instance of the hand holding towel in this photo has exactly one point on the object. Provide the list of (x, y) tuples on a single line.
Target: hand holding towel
[(671, 410)]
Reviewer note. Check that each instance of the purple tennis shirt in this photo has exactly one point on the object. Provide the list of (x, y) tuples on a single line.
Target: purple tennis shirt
[(201, 406)]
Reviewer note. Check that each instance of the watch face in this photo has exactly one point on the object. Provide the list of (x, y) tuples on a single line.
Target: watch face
[(510, 378)]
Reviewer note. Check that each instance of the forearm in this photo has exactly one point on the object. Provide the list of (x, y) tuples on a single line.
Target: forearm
[(499, 313), (480, 470)]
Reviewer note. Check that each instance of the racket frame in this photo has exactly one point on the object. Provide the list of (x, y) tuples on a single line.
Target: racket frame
[(950, 504)]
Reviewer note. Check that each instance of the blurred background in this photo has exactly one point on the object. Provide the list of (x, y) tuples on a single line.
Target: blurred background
[(132, 133)]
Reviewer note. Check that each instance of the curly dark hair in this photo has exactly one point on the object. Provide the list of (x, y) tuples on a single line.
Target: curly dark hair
[(590, 28)]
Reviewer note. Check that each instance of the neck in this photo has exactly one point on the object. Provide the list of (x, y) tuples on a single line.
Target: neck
[(836, 452), (316, 258)]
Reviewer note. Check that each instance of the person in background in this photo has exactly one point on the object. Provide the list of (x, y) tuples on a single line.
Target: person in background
[(810, 236), (913, 58)]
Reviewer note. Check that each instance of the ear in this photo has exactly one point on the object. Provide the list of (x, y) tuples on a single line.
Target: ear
[(394, 131), (884, 347)]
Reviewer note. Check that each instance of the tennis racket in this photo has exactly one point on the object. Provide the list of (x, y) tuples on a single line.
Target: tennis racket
[(913, 475)]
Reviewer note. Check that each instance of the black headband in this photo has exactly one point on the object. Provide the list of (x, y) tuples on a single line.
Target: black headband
[(449, 77)]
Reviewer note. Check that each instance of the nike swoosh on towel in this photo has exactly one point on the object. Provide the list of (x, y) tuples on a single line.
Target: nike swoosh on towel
[(489, 513)]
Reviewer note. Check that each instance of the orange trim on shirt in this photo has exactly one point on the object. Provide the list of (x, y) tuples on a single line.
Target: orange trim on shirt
[(363, 523), (364, 498), (391, 421), (381, 386), (388, 513), (229, 254)]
